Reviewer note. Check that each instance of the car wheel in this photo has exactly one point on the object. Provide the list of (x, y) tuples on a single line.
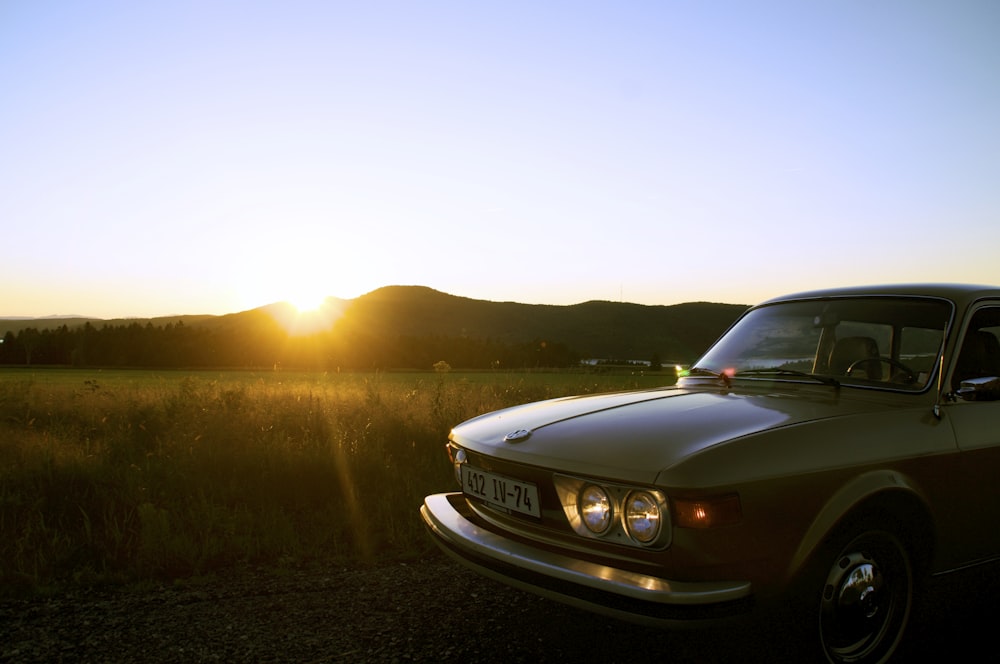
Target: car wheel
[(866, 599)]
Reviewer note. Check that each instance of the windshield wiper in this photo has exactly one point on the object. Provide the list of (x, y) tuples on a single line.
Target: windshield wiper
[(826, 380), (723, 376), (701, 371)]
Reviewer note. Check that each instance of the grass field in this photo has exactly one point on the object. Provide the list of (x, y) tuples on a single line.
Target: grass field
[(124, 476)]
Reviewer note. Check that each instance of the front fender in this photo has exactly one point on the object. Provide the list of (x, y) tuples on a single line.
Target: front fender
[(846, 500)]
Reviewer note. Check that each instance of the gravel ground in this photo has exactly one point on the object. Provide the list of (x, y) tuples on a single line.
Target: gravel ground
[(426, 611)]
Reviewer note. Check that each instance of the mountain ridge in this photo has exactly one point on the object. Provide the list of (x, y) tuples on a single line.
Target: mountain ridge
[(405, 315)]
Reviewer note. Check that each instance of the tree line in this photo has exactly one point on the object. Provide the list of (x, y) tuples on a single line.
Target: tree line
[(267, 346)]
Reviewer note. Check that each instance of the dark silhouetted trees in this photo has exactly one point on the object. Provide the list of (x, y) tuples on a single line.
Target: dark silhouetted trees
[(262, 345)]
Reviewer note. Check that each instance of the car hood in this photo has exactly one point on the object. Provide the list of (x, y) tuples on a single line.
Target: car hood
[(633, 436)]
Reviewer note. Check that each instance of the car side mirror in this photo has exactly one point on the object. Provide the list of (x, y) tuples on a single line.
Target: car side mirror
[(979, 389)]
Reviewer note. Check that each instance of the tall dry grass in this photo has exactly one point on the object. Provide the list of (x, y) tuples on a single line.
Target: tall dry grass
[(117, 481)]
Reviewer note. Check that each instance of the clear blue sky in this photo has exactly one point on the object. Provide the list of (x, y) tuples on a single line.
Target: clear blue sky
[(210, 157)]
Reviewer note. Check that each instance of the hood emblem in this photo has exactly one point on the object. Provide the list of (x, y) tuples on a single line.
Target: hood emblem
[(517, 436)]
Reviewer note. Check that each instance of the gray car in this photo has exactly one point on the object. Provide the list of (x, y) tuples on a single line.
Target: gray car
[(829, 451)]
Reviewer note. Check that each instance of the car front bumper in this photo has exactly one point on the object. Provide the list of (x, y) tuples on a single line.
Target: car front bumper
[(612, 591)]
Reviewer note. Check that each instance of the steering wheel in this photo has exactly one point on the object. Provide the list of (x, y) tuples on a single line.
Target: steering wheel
[(908, 377)]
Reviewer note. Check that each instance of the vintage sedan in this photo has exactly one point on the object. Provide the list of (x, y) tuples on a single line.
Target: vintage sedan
[(829, 452)]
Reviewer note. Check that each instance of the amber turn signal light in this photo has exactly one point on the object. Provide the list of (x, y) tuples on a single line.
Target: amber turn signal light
[(708, 512)]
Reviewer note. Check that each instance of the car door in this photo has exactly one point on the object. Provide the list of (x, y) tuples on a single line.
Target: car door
[(976, 423)]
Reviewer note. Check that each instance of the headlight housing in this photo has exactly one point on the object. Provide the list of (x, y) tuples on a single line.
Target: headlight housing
[(634, 516), (457, 456), (642, 516), (595, 509)]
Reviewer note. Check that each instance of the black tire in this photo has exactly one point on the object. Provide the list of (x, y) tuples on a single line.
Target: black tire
[(865, 599)]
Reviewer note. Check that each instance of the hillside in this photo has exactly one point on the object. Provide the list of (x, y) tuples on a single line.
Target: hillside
[(595, 329), (395, 326)]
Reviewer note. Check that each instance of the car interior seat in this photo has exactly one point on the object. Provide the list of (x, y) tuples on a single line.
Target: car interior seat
[(850, 350)]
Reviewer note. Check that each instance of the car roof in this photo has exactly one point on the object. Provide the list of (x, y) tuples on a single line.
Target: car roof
[(961, 294)]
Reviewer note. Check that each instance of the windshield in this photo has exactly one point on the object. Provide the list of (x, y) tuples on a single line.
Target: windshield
[(873, 341)]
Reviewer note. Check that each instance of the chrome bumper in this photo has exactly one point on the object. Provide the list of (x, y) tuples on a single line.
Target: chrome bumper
[(492, 553)]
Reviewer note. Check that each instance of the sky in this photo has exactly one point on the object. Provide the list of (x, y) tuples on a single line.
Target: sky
[(209, 157)]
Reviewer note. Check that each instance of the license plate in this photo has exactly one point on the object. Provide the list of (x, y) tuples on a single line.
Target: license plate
[(501, 491)]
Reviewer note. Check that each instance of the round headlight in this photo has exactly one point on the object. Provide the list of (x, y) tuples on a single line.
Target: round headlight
[(595, 508), (642, 517)]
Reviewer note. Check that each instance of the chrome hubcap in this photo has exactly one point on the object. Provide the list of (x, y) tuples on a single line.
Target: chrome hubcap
[(856, 606)]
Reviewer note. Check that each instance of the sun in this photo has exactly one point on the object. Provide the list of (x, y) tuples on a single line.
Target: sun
[(310, 313), (307, 302), (298, 293)]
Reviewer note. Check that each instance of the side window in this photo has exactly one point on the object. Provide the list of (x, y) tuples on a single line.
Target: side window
[(979, 356)]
